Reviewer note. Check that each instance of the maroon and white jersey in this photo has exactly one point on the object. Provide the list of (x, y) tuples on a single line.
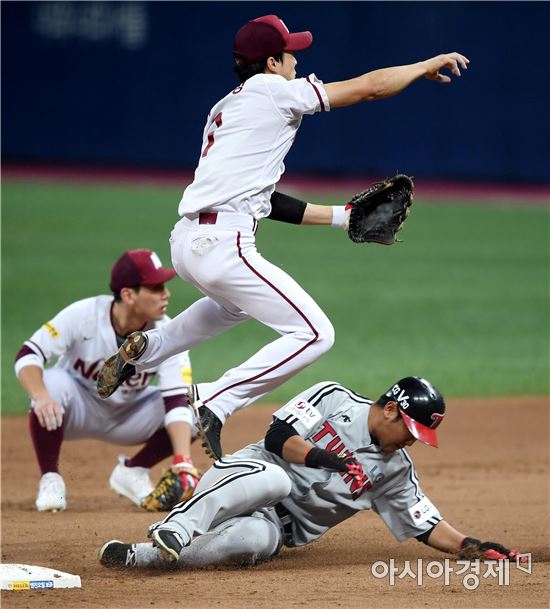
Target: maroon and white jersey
[(81, 336), (246, 138)]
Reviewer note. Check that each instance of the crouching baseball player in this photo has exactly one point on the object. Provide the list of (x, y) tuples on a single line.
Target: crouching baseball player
[(64, 403), (328, 454)]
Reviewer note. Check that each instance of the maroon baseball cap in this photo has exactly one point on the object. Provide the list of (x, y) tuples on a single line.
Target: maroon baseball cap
[(139, 267), (265, 37)]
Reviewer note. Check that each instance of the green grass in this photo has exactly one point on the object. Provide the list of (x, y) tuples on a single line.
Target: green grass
[(463, 301)]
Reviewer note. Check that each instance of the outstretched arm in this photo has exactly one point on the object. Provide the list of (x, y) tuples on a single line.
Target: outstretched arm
[(447, 539), (386, 82)]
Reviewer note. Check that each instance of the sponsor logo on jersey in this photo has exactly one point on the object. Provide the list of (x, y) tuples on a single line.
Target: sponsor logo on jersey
[(186, 375), (423, 511), (91, 371), (334, 444), (400, 396), (51, 329)]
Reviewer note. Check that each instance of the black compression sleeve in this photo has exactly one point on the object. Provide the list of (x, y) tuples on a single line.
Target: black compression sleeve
[(277, 434), (285, 208), (423, 537)]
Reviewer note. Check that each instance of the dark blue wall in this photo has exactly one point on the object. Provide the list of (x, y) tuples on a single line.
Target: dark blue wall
[(131, 83)]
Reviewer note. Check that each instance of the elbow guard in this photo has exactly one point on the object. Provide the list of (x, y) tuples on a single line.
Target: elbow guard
[(286, 209), (277, 434)]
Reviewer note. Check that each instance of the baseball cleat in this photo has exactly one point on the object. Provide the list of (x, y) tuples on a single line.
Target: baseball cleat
[(51, 493), (168, 542), (131, 482), (115, 553), (209, 427), (119, 367)]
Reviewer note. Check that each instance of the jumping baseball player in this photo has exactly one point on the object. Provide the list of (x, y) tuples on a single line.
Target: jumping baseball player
[(328, 454), (64, 402), (246, 138)]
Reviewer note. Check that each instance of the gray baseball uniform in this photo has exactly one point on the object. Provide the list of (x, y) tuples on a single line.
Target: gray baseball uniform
[(250, 503)]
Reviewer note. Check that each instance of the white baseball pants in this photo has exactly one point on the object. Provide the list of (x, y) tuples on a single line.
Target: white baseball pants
[(85, 415), (221, 260)]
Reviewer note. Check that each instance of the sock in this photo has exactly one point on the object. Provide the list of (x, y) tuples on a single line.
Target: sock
[(47, 444), (157, 448)]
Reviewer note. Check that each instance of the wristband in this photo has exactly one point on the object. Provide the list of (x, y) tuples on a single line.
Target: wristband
[(338, 215)]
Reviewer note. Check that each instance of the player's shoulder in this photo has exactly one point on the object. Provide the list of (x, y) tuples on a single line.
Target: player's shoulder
[(84, 306), (161, 322), (333, 389)]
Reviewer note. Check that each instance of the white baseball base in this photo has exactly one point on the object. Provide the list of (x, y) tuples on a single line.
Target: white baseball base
[(29, 577)]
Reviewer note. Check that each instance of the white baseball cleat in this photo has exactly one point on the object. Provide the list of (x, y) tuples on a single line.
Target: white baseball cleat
[(51, 493), (131, 482)]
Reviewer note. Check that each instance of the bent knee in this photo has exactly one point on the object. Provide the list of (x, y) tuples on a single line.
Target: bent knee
[(325, 335), (279, 482)]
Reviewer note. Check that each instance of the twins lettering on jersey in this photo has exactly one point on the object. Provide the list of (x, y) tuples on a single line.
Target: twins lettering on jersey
[(334, 444), (139, 380)]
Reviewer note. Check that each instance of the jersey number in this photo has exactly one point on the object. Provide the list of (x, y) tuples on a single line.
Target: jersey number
[(217, 120)]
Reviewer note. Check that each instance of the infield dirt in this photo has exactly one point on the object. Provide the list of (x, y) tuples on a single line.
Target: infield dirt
[(490, 479)]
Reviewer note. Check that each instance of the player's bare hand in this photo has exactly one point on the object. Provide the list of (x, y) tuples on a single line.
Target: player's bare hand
[(48, 412), (449, 61)]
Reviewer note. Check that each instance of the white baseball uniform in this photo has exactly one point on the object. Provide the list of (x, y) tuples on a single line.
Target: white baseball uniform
[(249, 504), (247, 135), (81, 337)]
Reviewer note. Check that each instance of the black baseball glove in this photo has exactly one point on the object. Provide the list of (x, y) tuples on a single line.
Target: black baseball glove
[(378, 213), (474, 549)]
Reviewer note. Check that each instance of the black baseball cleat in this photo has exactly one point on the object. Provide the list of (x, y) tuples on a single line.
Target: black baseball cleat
[(168, 542), (115, 553), (209, 428), (119, 367)]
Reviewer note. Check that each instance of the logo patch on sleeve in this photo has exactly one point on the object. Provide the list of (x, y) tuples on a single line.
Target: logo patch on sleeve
[(52, 330), (305, 412), (423, 511)]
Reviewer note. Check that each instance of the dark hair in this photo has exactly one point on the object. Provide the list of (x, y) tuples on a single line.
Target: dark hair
[(245, 71), (117, 296), (383, 400)]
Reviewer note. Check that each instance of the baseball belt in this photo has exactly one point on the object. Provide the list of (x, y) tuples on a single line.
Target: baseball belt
[(286, 521)]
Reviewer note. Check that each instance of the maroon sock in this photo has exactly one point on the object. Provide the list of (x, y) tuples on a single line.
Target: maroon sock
[(47, 444), (157, 448)]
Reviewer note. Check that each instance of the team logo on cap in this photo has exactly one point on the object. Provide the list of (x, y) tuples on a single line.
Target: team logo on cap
[(156, 260), (436, 417)]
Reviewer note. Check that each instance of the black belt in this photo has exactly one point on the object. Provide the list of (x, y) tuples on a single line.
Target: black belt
[(286, 520)]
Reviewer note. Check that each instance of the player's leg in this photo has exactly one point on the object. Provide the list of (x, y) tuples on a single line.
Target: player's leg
[(240, 541), (47, 444), (136, 423), (271, 296), (201, 321), (230, 488)]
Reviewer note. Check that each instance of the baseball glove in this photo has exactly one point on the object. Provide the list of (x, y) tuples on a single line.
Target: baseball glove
[(378, 213), (474, 549), (176, 485)]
